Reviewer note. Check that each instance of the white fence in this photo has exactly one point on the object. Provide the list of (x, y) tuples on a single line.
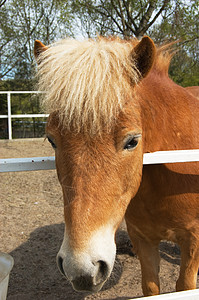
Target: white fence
[(47, 163), (9, 116), (187, 295)]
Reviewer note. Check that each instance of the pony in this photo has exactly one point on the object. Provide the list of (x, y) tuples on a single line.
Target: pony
[(110, 101), (194, 90)]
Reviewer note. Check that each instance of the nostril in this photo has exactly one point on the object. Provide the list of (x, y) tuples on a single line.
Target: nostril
[(103, 268), (60, 264), (102, 273)]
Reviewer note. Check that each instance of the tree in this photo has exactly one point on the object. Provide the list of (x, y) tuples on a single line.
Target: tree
[(164, 20), (181, 24), (23, 21), (124, 17)]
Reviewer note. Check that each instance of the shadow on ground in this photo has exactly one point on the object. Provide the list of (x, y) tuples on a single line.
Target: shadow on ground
[(170, 252), (35, 274), (35, 271)]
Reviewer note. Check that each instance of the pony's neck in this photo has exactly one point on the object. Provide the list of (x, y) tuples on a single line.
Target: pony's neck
[(169, 115)]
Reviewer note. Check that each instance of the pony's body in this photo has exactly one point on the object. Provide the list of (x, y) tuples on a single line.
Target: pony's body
[(194, 90), (100, 170), (166, 205)]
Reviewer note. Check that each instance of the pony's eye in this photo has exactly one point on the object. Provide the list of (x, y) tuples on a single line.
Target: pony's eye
[(132, 142), (51, 142)]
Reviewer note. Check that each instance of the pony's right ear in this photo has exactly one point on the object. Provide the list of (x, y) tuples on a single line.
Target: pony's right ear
[(144, 55), (39, 47)]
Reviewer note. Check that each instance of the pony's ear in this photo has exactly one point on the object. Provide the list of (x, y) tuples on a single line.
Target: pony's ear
[(39, 48), (144, 55)]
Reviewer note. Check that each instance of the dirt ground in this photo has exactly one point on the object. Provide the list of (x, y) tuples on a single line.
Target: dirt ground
[(31, 230)]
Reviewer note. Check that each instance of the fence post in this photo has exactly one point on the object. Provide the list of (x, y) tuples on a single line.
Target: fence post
[(9, 116)]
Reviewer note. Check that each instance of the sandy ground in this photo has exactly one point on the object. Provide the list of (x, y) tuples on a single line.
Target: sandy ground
[(31, 230)]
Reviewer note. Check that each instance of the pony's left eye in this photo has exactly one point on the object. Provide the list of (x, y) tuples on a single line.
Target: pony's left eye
[(132, 142), (51, 142)]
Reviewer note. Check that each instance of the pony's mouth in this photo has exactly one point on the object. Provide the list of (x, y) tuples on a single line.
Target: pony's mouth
[(86, 284)]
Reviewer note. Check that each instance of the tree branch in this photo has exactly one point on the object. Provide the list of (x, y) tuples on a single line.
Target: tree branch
[(127, 6), (146, 17), (147, 25), (121, 15), (2, 2), (111, 16)]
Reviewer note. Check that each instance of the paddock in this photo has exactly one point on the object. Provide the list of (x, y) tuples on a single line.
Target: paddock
[(32, 230)]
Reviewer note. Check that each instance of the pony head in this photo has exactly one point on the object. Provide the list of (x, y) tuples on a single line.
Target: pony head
[(96, 130)]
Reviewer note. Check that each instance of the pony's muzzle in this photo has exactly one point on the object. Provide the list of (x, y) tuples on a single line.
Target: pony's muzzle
[(91, 279), (88, 268)]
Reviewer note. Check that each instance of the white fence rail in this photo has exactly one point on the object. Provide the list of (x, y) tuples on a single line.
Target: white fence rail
[(47, 163), (187, 295), (9, 116), (27, 164)]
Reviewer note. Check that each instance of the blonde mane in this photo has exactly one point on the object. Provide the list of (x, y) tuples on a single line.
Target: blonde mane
[(87, 82), (164, 55)]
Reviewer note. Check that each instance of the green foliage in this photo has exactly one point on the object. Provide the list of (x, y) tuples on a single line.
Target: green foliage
[(14, 85), (183, 70), (21, 104), (181, 24)]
